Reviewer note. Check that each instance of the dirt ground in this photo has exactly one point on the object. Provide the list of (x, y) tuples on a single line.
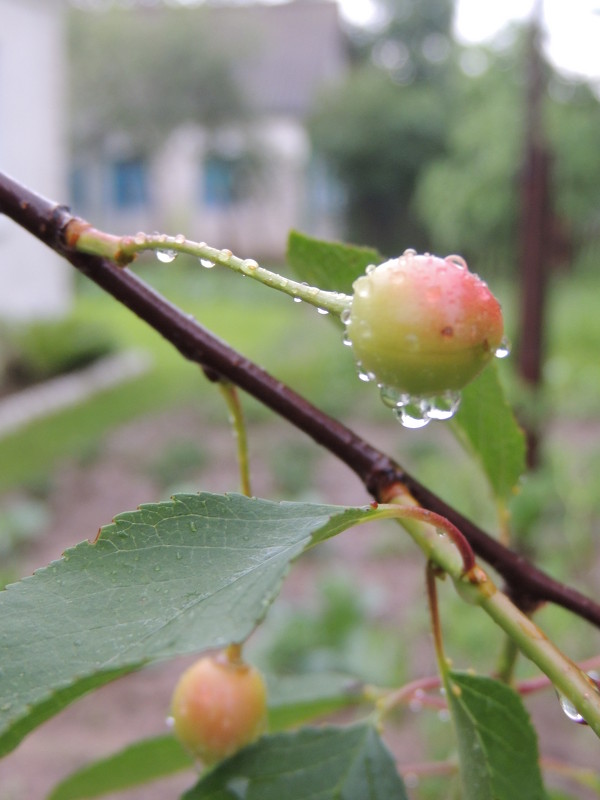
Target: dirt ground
[(135, 707)]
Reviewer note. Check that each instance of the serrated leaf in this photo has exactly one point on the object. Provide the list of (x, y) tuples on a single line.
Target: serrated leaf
[(329, 265), (196, 572), (321, 764), (497, 743), (485, 423), (297, 698), (139, 763)]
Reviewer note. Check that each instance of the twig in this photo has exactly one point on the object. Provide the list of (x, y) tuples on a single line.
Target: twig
[(381, 475)]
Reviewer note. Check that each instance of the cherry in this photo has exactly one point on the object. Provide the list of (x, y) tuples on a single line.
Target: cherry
[(218, 707), (423, 325)]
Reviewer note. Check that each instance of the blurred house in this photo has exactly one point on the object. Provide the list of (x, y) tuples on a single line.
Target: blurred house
[(33, 281), (240, 185)]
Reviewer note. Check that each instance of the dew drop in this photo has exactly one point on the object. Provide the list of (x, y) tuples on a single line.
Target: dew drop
[(206, 263), (458, 261), (444, 406), (322, 311), (297, 299), (345, 316), (180, 238), (415, 414), (347, 341), (504, 349), (570, 711), (392, 397), (409, 252), (166, 256), (226, 254), (249, 263), (371, 268), (363, 375), (140, 238)]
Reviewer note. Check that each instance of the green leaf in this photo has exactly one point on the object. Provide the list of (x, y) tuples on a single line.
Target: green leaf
[(297, 698), (487, 426), (328, 265), (497, 743), (139, 763), (171, 578), (321, 764)]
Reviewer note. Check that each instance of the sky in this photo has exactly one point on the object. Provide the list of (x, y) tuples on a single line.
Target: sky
[(572, 27)]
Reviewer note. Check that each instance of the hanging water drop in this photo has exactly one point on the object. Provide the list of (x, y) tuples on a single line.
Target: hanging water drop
[(504, 349), (206, 263), (371, 268), (166, 256), (392, 397), (570, 711), (180, 238), (345, 316), (363, 375), (297, 299), (415, 414), (409, 252), (347, 341), (322, 311), (444, 406)]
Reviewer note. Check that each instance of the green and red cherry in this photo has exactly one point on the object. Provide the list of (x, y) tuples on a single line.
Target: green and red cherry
[(423, 327), (219, 706)]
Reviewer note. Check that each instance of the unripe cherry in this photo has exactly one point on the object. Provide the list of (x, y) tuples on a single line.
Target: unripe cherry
[(218, 707), (423, 325)]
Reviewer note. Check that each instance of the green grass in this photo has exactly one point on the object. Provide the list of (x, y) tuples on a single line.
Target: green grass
[(257, 323)]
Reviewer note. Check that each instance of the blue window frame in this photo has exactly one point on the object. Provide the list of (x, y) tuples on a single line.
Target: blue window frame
[(218, 181), (129, 183)]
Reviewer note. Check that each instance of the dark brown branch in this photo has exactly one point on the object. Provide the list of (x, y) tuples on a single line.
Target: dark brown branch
[(379, 473)]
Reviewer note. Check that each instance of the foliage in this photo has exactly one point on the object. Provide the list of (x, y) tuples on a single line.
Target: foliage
[(200, 572)]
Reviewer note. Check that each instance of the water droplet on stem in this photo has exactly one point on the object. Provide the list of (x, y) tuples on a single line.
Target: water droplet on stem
[(166, 256)]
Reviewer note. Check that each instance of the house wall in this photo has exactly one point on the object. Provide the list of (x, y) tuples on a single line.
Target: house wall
[(34, 282)]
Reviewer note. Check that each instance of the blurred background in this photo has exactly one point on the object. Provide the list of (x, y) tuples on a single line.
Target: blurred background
[(445, 126)]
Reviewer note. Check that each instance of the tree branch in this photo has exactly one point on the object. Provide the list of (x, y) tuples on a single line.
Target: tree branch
[(51, 223)]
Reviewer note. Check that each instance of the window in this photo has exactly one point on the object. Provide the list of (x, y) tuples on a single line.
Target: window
[(218, 181), (129, 183)]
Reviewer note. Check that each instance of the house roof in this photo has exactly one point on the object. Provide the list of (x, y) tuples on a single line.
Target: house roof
[(284, 53)]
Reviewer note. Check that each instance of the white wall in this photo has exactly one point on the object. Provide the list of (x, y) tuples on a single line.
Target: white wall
[(33, 281)]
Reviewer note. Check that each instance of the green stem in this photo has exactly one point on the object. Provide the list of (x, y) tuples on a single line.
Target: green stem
[(123, 249), (236, 417), (477, 588), (507, 661)]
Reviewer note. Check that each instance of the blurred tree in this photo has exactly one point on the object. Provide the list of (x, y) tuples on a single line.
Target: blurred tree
[(144, 71), (388, 120), (469, 199)]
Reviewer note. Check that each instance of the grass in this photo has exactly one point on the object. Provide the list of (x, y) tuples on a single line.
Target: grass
[(254, 321)]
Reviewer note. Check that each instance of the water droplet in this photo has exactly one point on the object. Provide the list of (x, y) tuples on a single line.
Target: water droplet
[(140, 238), (322, 311), (226, 254), (347, 341), (409, 252), (180, 238), (458, 261), (206, 263), (444, 406), (570, 711), (371, 268), (250, 263), (166, 256), (415, 414), (363, 375), (345, 316), (504, 349), (392, 397), (297, 299)]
